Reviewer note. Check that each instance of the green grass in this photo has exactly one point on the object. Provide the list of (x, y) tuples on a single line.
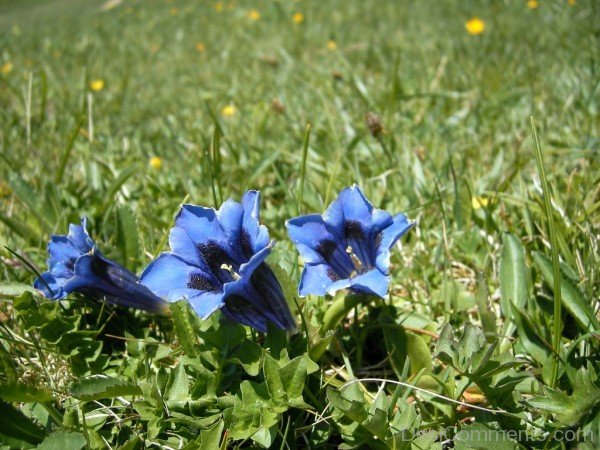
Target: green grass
[(455, 111)]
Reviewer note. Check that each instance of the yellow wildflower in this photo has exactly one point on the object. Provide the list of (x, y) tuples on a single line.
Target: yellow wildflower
[(97, 85), (6, 68), (219, 6), (572, 2), (475, 26), (532, 4), (200, 47), (253, 14), (479, 202), (156, 162), (298, 18), (331, 45), (174, 11), (228, 111)]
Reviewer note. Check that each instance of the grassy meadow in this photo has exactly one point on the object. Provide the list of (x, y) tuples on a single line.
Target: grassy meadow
[(121, 111)]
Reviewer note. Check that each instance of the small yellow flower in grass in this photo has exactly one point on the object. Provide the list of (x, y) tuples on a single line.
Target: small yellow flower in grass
[(298, 18), (219, 7), (228, 111), (97, 85), (331, 45), (6, 68), (174, 11), (475, 26), (572, 2), (156, 162), (200, 47), (532, 4), (479, 202), (253, 14)]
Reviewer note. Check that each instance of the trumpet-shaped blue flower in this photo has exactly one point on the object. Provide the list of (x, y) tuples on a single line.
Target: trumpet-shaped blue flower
[(76, 265), (217, 262), (348, 246)]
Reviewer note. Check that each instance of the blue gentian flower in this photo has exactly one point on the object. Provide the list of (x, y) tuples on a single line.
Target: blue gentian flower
[(348, 246), (76, 265), (217, 262)]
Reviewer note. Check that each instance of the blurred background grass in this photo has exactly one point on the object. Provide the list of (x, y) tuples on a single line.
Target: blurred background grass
[(91, 91)]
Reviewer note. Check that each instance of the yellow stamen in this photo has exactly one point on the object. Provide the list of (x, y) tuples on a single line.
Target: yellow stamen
[(357, 264), (228, 268)]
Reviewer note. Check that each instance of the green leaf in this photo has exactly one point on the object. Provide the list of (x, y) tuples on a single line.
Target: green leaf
[(96, 388), (292, 376), (572, 300), (419, 354), (211, 437), (182, 321), (20, 228), (396, 343), (178, 387), (20, 392), (377, 421), (319, 346), (462, 202), (248, 354), (27, 195), (15, 289), (62, 439), (569, 409), (350, 401), (483, 436), (128, 240), (513, 276), (530, 339), (17, 427), (273, 380)]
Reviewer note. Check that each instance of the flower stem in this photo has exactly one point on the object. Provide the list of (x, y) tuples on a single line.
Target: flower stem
[(340, 309), (303, 168), (557, 318)]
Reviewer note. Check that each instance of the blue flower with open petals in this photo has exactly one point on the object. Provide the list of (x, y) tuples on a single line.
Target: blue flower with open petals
[(76, 265), (217, 262), (348, 246)]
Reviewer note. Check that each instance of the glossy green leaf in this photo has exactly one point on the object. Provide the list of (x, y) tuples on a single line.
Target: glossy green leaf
[(21, 392), (15, 427), (572, 299), (396, 343), (96, 388), (182, 321), (62, 440)]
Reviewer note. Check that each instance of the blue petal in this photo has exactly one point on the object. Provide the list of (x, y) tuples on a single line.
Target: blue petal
[(257, 299), (202, 226), (275, 307), (351, 205), (258, 234), (248, 268), (183, 247), (80, 238), (387, 239), (62, 252), (230, 217), (118, 285), (167, 276), (316, 279), (372, 282), (206, 303), (307, 233), (49, 286)]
